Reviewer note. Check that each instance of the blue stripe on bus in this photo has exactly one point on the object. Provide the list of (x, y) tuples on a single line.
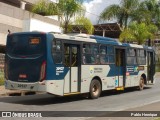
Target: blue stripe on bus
[(114, 71)]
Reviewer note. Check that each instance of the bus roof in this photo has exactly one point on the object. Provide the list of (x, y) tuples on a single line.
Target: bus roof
[(88, 38)]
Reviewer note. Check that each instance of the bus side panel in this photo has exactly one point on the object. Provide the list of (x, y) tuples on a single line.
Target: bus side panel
[(134, 75), (101, 71), (55, 72)]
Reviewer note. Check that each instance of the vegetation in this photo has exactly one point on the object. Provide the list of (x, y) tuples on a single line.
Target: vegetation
[(65, 9), (122, 12), (139, 19), (84, 23), (138, 32), (1, 78)]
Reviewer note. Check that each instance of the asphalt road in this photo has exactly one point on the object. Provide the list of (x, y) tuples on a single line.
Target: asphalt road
[(109, 101)]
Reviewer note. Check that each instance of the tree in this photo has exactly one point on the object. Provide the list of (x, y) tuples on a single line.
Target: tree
[(120, 12), (84, 23), (65, 9), (138, 32), (153, 7)]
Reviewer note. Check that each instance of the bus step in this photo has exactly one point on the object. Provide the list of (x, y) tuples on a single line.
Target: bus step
[(73, 93), (120, 88)]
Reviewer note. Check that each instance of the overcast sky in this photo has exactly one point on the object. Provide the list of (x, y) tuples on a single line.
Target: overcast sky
[(95, 7)]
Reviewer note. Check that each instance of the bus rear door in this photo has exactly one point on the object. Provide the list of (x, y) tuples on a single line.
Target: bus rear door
[(151, 66), (120, 68)]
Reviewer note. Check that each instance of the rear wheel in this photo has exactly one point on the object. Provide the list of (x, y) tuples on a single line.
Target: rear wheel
[(141, 83), (95, 89)]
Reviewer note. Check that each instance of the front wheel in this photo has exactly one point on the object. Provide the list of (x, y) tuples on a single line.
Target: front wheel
[(95, 89)]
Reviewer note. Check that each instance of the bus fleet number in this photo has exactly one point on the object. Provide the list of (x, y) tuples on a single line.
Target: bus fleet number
[(22, 86)]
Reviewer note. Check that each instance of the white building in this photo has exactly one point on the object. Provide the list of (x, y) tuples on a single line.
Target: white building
[(15, 16)]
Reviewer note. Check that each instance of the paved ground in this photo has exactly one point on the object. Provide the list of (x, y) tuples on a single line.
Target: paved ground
[(130, 100)]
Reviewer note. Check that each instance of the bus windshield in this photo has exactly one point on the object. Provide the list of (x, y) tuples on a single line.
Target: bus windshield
[(25, 45)]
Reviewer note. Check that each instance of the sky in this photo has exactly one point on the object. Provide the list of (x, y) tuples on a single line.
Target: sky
[(95, 7)]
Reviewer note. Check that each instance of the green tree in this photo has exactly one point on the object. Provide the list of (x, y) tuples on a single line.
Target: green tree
[(121, 12), (152, 7), (84, 23), (65, 9), (138, 32)]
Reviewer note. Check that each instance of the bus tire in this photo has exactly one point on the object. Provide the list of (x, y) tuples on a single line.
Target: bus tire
[(141, 83), (95, 89)]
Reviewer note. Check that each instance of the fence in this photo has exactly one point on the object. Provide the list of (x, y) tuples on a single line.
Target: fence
[(2, 68)]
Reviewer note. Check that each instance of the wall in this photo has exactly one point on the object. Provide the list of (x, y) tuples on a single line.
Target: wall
[(18, 20)]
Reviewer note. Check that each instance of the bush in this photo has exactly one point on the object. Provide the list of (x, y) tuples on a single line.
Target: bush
[(1, 78), (157, 67)]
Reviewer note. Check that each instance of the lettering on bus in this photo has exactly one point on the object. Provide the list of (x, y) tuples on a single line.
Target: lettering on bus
[(98, 70), (132, 69), (95, 70), (59, 70)]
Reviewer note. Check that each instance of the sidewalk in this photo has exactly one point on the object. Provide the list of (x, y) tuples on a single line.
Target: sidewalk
[(4, 92)]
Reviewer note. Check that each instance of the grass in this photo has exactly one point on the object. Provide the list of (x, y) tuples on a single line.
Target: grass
[(1, 78), (157, 119)]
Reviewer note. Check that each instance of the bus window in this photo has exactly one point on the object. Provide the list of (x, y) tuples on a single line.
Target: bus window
[(87, 48), (103, 50), (66, 55), (95, 49), (25, 45), (103, 55), (74, 56), (90, 54), (141, 57), (57, 52), (104, 59), (110, 50), (131, 56)]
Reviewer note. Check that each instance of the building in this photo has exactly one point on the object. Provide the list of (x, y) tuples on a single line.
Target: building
[(15, 17), (106, 30)]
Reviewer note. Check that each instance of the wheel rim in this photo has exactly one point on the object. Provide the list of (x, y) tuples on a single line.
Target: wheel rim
[(141, 83), (95, 90)]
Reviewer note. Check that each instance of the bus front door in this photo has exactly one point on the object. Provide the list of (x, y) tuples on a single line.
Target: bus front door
[(72, 61), (120, 69)]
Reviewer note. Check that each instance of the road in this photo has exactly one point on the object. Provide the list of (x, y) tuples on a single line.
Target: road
[(109, 101)]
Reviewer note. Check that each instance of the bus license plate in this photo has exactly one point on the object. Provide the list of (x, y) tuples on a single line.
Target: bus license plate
[(22, 86)]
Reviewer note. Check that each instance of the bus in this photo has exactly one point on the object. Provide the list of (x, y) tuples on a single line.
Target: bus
[(63, 64)]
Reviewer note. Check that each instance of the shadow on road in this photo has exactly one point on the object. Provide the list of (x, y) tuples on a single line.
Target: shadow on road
[(47, 99)]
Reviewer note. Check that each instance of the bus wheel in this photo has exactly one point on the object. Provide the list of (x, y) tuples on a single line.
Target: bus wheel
[(95, 89), (141, 83)]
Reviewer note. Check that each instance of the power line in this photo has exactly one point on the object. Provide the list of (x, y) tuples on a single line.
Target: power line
[(92, 13)]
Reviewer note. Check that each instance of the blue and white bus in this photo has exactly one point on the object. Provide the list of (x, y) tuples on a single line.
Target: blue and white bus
[(62, 64)]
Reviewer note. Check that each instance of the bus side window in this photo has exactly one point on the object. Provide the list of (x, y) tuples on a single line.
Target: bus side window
[(141, 57), (131, 56), (66, 53), (103, 55), (57, 51)]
